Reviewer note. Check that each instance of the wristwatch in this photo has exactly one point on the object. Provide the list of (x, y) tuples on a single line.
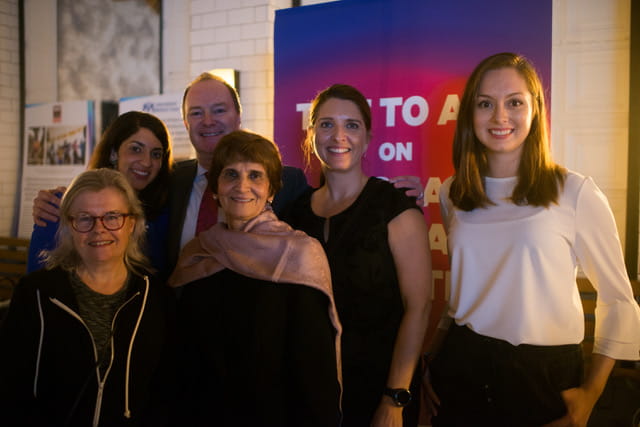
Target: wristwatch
[(400, 396)]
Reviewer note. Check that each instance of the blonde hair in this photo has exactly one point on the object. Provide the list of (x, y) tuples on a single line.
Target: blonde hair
[(65, 254)]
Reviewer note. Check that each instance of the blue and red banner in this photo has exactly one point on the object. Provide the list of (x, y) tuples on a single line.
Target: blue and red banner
[(411, 59)]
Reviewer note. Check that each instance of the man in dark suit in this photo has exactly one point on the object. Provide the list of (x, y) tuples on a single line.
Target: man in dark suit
[(210, 109)]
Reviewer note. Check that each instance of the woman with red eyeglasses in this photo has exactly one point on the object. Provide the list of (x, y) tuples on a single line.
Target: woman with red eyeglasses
[(85, 339)]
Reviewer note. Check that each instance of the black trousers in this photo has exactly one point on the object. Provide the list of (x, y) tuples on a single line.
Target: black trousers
[(483, 381)]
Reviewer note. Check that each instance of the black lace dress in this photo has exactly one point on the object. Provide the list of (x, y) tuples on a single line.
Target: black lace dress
[(366, 290)]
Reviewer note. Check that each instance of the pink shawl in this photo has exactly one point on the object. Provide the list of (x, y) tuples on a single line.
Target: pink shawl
[(265, 249)]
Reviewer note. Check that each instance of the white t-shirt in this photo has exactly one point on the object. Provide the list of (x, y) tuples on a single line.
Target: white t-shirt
[(513, 269)]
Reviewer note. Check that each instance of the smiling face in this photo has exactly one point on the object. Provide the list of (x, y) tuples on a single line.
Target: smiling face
[(209, 115), (340, 137), (140, 158), (101, 246), (243, 191), (502, 117)]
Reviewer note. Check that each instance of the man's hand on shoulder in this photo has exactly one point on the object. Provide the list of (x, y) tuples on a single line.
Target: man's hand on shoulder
[(413, 184)]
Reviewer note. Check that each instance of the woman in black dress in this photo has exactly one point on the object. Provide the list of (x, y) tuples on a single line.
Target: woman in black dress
[(377, 244)]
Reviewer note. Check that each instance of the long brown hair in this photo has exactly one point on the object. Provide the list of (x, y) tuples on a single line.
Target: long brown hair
[(539, 178)]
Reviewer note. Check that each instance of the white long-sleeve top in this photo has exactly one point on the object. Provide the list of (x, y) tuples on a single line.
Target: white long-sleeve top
[(513, 269)]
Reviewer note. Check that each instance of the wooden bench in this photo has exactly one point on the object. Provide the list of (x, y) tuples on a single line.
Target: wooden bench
[(13, 263)]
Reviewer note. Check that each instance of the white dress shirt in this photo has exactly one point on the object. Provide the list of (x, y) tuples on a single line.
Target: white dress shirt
[(191, 217)]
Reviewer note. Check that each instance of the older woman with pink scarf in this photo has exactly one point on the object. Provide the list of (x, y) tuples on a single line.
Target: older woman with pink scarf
[(260, 329)]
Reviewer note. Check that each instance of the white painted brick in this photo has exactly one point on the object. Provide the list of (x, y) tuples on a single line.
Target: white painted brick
[(262, 13), (263, 46), (9, 33), (260, 110), (205, 65), (202, 6), (8, 118), (7, 92), (227, 4), (10, 146), (252, 79), (257, 30), (242, 48), (228, 33), (269, 111), (196, 68), (248, 3), (196, 53), (270, 79), (7, 196), (245, 15), (202, 36), (7, 80), (263, 127), (9, 68), (196, 22), (10, 21), (281, 4), (9, 8), (214, 20), (258, 63), (230, 62), (8, 44), (215, 51)]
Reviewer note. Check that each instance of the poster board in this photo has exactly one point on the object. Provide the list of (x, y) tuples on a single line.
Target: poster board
[(58, 140)]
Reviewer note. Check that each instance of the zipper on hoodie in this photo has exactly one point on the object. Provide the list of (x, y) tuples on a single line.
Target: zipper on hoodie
[(101, 380)]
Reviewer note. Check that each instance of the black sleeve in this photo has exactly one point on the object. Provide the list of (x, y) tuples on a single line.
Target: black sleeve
[(294, 183), (19, 336), (315, 392)]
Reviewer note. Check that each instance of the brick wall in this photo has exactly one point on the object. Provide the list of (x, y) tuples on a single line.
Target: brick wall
[(9, 113), (239, 35)]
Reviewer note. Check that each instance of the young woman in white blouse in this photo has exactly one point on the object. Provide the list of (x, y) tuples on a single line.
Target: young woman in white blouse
[(518, 227)]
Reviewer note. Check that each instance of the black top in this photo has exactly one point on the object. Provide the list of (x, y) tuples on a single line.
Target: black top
[(257, 353), (48, 362), (365, 286)]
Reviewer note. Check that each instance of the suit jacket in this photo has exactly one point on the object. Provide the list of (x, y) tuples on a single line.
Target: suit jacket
[(294, 184)]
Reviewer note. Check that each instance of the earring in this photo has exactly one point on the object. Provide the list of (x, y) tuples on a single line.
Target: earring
[(113, 158), (215, 197)]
